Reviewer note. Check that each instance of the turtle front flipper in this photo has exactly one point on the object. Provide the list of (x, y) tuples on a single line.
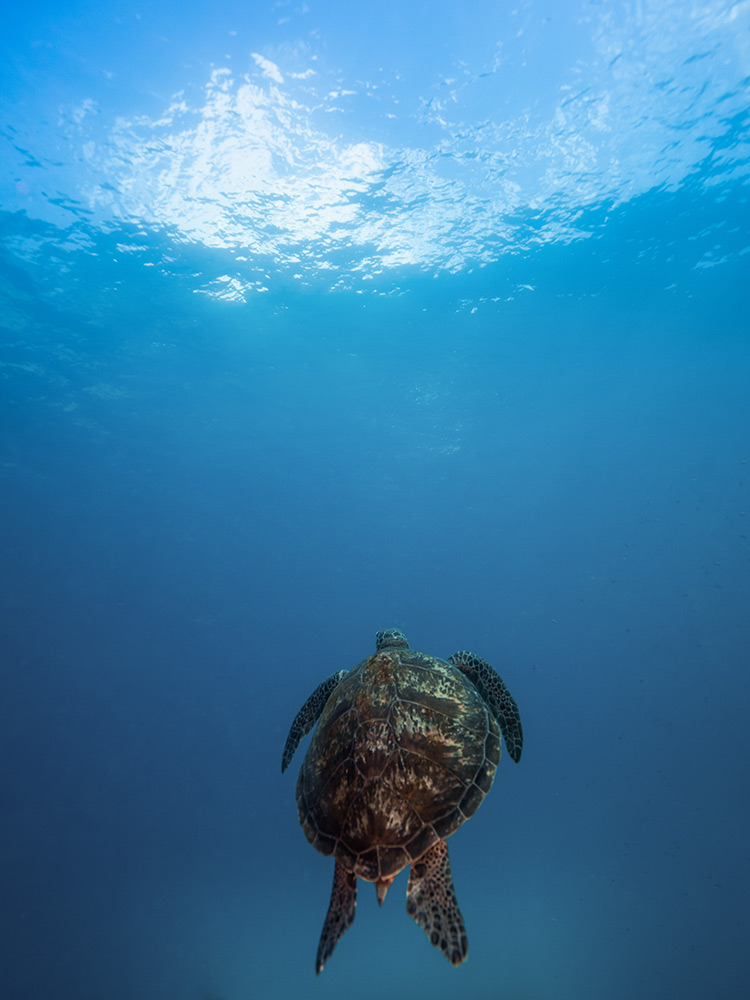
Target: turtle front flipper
[(431, 901), (492, 688), (340, 914), (308, 715)]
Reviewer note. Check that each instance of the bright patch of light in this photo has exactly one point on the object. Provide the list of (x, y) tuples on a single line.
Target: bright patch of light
[(268, 68)]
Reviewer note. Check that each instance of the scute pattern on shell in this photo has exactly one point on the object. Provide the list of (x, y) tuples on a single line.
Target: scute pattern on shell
[(404, 751)]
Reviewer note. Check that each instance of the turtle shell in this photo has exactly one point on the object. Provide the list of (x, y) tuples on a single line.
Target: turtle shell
[(404, 751)]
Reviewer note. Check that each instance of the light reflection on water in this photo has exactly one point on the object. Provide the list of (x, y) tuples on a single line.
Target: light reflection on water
[(292, 164)]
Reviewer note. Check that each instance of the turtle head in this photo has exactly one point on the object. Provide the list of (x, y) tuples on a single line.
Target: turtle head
[(391, 638)]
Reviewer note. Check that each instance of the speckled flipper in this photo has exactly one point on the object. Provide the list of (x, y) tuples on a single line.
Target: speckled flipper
[(308, 715), (492, 688), (431, 901), (340, 914)]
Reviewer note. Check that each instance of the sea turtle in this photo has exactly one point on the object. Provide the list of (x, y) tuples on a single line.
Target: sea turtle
[(405, 750)]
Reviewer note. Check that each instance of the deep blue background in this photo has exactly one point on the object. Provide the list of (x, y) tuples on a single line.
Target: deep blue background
[(208, 506)]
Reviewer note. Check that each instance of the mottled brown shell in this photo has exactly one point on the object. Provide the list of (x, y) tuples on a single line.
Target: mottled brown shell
[(404, 751)]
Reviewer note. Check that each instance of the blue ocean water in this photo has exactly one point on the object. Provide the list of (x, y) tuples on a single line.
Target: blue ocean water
[(319, 321)]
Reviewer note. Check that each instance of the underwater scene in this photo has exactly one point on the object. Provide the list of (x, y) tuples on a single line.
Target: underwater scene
[(406, 335)]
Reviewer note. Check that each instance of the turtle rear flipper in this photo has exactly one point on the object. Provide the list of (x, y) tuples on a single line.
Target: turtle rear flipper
[(340, 914), (431, 901)]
